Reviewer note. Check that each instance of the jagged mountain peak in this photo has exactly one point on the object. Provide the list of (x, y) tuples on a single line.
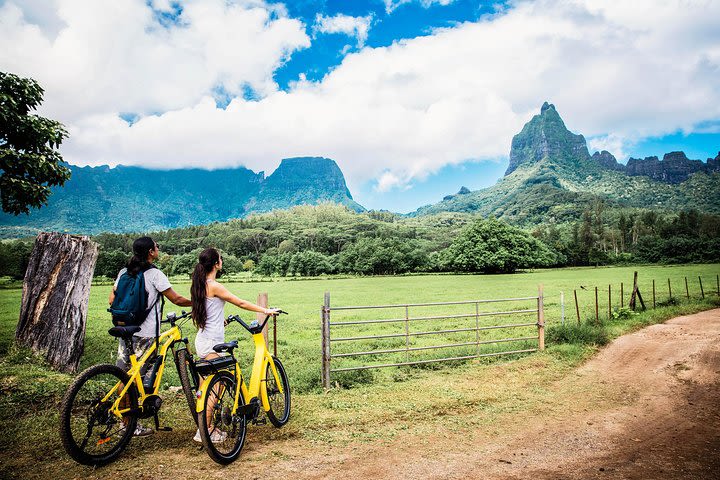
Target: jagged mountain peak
[(545, 136)]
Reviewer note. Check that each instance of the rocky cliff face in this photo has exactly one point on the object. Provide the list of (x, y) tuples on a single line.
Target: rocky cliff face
[(545, 136), (552, 178), (674, 168), (607, 160), (304, 180)]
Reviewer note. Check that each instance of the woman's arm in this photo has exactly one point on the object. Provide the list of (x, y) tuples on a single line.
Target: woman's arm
[(220, 291), (176, 298), (112, 296)]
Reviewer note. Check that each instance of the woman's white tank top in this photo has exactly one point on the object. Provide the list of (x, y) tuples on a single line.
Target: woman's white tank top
[(214, 331)]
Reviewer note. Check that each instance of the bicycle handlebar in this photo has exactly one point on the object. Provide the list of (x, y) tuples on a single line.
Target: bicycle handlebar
[(173, 317), (254, 328)]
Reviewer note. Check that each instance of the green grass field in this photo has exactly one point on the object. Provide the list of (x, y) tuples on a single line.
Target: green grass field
[(30, 393), (299, 333)]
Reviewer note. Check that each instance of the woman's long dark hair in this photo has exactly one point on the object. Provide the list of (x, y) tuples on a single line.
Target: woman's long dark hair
[(139, 261), (198, 290)]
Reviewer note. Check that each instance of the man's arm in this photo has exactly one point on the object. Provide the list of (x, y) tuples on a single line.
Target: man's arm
[(176, 298)]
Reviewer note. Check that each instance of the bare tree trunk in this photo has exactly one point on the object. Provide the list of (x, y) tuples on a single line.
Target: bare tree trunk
[(55, 298)]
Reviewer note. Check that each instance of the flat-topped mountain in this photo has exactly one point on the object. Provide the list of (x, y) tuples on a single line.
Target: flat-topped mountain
[(552, 177), (133, 199)]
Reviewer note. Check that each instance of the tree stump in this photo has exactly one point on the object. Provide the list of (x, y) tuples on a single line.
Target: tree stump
[(55, 298)]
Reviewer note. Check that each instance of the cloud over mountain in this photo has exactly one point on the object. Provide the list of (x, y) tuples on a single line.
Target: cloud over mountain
[(620, 70)]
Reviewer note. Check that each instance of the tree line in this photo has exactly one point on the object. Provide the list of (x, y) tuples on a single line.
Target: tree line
[(330, 239)]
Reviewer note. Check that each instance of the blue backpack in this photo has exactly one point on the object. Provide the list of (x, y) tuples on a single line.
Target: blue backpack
[(130, 306)]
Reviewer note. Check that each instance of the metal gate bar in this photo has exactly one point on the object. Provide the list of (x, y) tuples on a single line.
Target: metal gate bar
[(439, 317), (397, 350), (435, 360)]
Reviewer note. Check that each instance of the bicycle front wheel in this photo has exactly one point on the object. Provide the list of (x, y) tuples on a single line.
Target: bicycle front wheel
[(183, 361), (222, 432), (89, 430), (279, 412)]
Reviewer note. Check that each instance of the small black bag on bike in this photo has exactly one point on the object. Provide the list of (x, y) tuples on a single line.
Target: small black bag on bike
[(130, 305)]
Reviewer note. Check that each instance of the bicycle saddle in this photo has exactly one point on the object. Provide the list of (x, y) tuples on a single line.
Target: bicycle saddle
[(124, 332), (224, 347)]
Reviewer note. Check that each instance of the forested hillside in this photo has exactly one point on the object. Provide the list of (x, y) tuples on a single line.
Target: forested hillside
[(131, 199)]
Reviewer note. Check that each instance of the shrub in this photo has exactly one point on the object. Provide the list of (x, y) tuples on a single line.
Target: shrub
[(584, 334)]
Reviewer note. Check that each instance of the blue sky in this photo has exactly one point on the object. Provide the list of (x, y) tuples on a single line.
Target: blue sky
[(412, 98)]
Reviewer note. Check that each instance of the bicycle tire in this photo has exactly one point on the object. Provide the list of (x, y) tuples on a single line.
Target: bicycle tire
[(222, 389), (279, 412), (81, 407), (183, 359)]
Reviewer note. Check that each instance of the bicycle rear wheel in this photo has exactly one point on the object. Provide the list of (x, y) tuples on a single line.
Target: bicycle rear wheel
[(189, 382), (279, 412), (222, 433), (90, 432)]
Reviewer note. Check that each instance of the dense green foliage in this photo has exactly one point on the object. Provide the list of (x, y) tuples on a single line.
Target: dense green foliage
[(14, 256), (329, 239), (606, 236), (29, 159), (492, 246)]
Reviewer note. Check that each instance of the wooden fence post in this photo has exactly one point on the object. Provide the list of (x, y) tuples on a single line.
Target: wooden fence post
[(262, 301), (577, 308), (541, 319), (687, 290), (609, 302), (717, 277), (653, 293), (669, 289), (597, 307), (636, 295), (325, 314), (622, 295), (55, 295), (702, 292)]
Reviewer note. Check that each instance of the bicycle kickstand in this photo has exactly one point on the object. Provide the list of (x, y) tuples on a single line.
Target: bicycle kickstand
[(157, 425)]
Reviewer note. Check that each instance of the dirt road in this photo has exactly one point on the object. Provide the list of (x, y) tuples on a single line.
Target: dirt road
[(667, 427)]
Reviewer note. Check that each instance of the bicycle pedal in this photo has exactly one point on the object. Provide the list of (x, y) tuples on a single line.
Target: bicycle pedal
[(165, 429), (260, 421)]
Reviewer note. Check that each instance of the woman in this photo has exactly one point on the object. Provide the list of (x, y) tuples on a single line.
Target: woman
[(145, 252), (208, 305)]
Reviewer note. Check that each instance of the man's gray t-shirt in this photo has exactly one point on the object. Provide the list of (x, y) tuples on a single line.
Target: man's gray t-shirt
[(155, 282)]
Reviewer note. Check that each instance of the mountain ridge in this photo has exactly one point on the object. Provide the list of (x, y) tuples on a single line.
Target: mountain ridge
[(552, 177), (129, 198)]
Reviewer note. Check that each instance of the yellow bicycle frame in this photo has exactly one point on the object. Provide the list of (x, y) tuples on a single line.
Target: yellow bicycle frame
[(167, 339), (258, 384)]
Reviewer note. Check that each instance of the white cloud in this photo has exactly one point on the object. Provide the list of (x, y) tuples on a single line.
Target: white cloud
[(357, 27), (616, 71), (114, 56), (390, 181), (612, 143), (391, 5)]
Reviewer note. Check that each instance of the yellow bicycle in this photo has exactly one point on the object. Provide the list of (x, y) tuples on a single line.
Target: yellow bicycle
[(99, 412), (226, 404)]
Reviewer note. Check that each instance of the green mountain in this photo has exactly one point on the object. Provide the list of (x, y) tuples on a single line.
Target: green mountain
[(552, 178), (131, 199)]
